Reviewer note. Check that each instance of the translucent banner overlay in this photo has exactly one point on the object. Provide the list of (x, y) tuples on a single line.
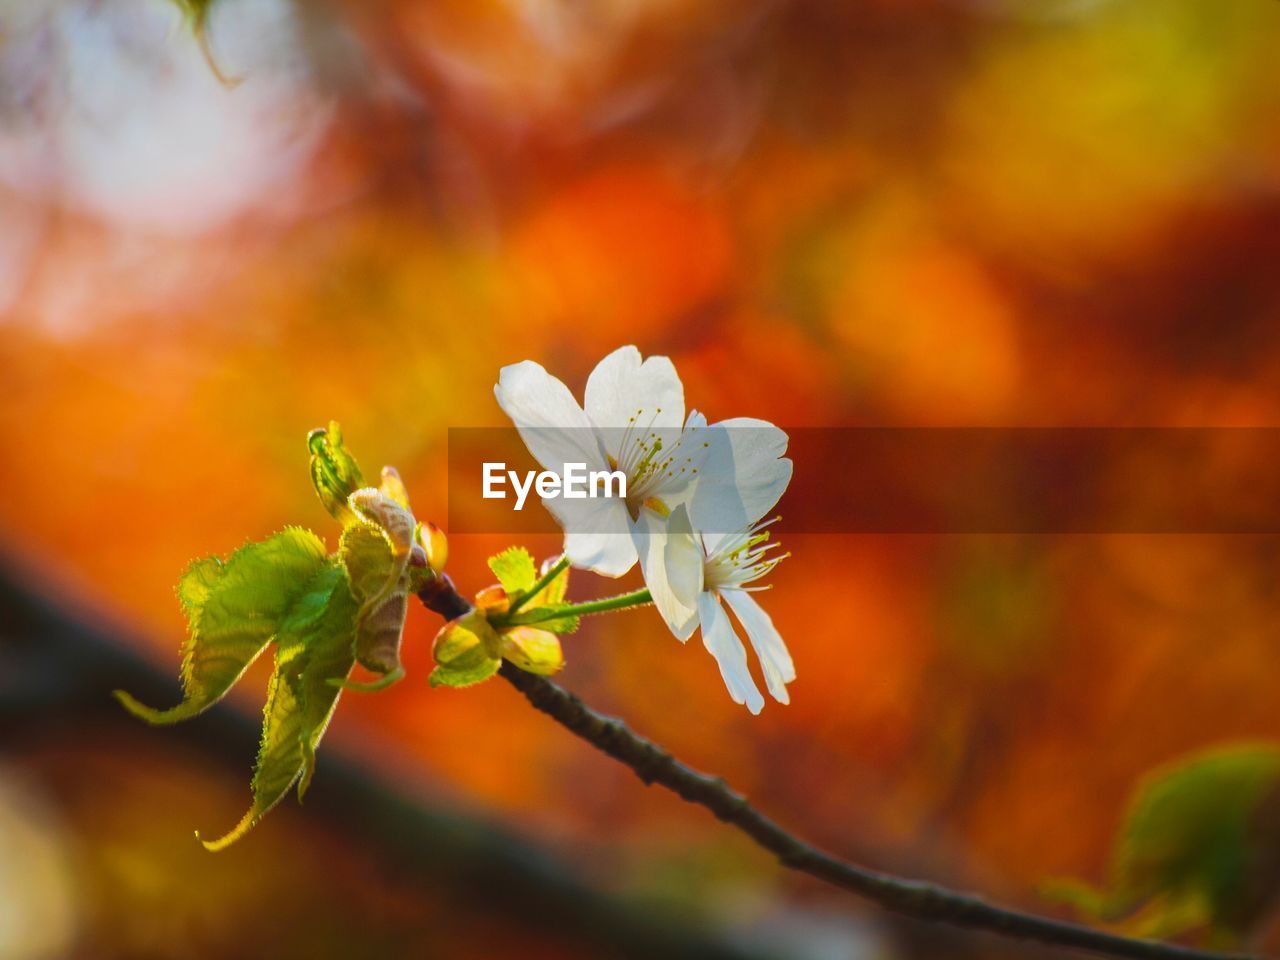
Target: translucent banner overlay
[(931, 480)]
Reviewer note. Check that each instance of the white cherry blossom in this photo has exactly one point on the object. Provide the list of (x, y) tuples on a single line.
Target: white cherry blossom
[(632, 420), (695, 496), (729, 568)]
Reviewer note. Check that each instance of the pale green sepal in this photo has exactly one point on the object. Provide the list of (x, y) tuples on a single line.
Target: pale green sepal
[(464, 677), (515, 570)]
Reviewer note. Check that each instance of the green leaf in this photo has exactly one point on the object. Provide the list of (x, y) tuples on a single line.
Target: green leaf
[(397, 523), (515, 570), (380, 631), (279, 754), (234, 610), (380, 583), (334, 472), (563, 625), (367, 557), (199, 579), (1199, 846), (330, 653), (315, 653)]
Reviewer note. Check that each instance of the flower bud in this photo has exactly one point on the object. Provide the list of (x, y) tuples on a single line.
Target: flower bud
[(434, 545), (464, 641), (393, 487), (466, 651), (534, 650), (493, 599), (334, 472)]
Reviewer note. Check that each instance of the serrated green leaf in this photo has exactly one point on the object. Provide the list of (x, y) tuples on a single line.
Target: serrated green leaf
[(315, 653), (234, 615), (515, 570), (328, 649), (366, 555), (397, 523), (334, 471), (1200, 846), (561, 625), (381, 630), (279, 754), (197, 581), (380, 583)]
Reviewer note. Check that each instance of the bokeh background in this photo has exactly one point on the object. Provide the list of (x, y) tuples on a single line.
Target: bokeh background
[(883, 212)]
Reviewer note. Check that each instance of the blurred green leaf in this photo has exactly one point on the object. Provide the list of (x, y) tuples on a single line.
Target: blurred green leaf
[(1199, 848)]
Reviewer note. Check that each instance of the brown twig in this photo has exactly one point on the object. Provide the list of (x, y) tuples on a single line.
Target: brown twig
[(912, 898)]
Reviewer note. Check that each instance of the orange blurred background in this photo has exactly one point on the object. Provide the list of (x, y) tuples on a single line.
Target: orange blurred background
[(886, 212)]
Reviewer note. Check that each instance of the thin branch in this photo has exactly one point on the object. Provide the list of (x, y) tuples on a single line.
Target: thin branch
[(912, 898)]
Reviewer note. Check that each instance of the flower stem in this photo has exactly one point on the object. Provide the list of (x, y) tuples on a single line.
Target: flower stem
[(620, 602), (543, 580)]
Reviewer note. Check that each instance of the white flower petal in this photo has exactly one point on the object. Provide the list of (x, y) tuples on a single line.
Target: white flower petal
[(557, 431), (597, 534), (719, 638), (671, 559), (552, 425), (742, 476), (775, 659), (622, 387)]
